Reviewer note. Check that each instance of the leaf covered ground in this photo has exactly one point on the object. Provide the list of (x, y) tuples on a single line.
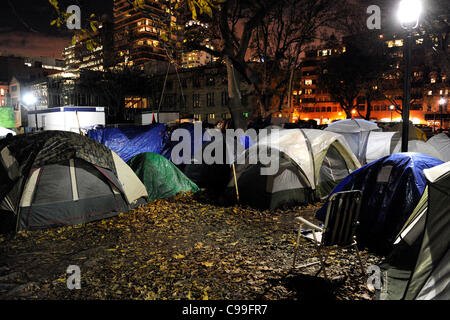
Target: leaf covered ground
[(182, 248)]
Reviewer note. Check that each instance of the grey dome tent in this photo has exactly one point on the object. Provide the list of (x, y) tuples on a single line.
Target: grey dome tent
[(381, 144), (55, 178), (356, 133), (311, 163), (419, 265), (441, 142)]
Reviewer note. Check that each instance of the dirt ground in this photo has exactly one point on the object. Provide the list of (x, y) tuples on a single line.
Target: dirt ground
[(182, 248)]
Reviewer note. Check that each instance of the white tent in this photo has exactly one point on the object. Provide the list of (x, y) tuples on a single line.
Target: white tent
[(356, 132), (441, 142), (421, 147), (310, 160), (380, 144), (4, 132)]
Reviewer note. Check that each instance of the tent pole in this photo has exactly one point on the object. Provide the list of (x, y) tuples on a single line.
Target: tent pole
[(235, 182)]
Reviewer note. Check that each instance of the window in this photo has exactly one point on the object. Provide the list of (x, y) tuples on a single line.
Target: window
[(210, 99), (328, 109), (430, 92), (14, 88), (196, 82), (308, 82), (224, 99), (2, 92), (196, 100)]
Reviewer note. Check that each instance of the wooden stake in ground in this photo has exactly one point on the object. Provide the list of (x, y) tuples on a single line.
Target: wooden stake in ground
[(78, 120), (235, 182)]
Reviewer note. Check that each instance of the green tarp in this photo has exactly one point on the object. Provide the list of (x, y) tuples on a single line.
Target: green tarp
[(7, 119), (161, 177)]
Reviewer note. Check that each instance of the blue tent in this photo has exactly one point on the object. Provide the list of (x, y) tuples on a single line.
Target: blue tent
[(392, 187), (130, 141)]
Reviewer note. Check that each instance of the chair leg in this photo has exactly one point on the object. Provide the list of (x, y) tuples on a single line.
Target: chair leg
[(322, 260), (359, 258), (296, 245)]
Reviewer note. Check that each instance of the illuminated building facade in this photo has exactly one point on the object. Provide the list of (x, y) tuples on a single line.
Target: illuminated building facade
[(312, 101), (98, 58), (140, 35)]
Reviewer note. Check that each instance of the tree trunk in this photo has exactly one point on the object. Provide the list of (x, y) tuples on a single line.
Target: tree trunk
[(290, 104), (234, 94)]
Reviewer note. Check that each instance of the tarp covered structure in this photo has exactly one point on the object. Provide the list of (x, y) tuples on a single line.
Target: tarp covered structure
[(55, 178), (419, 265), (161, 177), (311, 163), (381, 144), (7, 118), (441, 142), (197, 138), (130, 141), (392, 187), (356, 132), (215, 176)]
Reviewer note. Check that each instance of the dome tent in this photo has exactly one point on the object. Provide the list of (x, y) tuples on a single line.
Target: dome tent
[(130, 141), (414, 133), (356, 132), (381, 144), (311, 163), (391, 187), (55, 178), (160, 176), (419, 265), (441, 142)]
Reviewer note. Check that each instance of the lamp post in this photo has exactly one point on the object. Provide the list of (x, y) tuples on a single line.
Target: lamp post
[(31, 100), (442, 102), (391, 107), (408, 14)]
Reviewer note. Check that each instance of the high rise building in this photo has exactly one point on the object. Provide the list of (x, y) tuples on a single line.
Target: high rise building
[(97, 58), (141, 35)]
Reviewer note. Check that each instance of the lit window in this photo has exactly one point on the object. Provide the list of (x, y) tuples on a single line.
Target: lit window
[(430, 92), (308, 82)]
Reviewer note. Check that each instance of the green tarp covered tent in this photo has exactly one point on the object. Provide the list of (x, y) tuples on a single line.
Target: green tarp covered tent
[(419, 266), (7, 119), (160, 176)]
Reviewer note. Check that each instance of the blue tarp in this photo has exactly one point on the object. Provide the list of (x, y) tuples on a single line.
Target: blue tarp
[(389, 196), (130, 141)]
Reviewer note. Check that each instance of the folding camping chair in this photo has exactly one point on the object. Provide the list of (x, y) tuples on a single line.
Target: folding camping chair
[(339, 228)]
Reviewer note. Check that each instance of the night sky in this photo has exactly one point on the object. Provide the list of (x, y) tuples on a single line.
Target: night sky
[(25, 26)]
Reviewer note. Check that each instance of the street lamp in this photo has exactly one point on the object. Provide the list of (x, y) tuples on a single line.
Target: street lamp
[(29, 99), (408, 14), (442, 102), (391, 107)]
